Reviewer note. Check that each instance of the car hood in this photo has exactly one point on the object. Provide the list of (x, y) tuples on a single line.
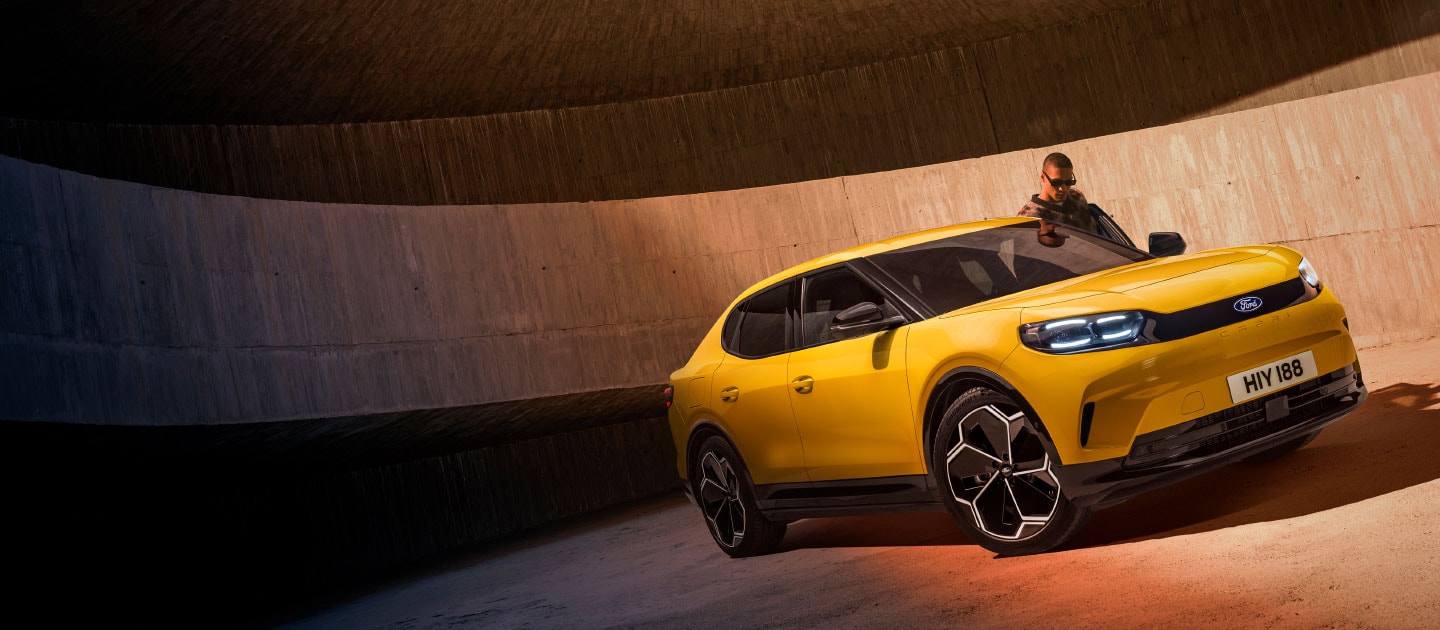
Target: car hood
[(1158, 282)]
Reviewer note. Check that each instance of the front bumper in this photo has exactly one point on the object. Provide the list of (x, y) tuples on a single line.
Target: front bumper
[(1184, 450)]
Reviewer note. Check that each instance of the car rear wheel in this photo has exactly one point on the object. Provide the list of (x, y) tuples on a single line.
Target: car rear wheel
[(1283, 449), (994, 468), (726, 497)]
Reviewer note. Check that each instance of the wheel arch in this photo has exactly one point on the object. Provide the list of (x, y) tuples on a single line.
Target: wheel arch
[(698, 433), (955, 383)]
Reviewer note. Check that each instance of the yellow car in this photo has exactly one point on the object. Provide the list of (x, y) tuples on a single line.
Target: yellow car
[(1019, 382)]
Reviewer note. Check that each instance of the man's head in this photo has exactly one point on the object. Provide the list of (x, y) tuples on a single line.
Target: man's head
[(1057, 177)]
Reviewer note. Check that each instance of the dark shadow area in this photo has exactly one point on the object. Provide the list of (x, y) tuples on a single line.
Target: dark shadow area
[(337, 594), (894, 530), (106, 538), (343, 442), (177, 61), (1387, 445), (168, 97), (121, 532)]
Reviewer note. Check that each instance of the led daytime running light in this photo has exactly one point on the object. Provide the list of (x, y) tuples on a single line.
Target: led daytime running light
[(1308, 273), (1082, 334)]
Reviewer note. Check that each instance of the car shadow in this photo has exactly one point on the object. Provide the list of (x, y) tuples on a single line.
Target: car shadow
[(881, 530), (1387, 445)]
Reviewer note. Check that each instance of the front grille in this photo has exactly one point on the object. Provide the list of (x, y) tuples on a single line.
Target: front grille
[(1221, 313), (1244, 423)]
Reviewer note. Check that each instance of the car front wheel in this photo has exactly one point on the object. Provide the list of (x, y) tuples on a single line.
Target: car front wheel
[(722, 488), (998, 478)]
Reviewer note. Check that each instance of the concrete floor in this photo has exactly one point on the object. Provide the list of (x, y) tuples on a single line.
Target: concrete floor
[(1339, 534)]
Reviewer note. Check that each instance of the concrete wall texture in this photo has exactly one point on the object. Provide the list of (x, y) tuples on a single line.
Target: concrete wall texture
[(132, 305), (1133, 67)]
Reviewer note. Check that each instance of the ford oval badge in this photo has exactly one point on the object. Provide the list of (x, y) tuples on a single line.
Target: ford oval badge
[(1247, 304)]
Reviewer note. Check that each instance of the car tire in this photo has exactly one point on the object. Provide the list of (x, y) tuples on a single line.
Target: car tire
[(1006, 498), (1285, 448), (726, 497)]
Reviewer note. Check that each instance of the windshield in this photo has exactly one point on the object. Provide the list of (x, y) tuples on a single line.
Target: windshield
[(956, 272)]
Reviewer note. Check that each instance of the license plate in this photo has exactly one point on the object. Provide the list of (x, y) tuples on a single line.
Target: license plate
[(1263, 379)]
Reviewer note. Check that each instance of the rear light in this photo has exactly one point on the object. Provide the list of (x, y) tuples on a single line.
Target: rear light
[(669, 396)]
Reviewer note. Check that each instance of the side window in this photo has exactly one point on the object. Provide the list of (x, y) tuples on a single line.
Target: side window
[(1108, 228), (829, 293), (1105, 228), (760, 326)]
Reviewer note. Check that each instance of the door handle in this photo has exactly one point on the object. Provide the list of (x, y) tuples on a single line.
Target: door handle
[(803, 384), (730, 394)]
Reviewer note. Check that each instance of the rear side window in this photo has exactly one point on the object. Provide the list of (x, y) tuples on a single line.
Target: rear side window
[(760, 326)]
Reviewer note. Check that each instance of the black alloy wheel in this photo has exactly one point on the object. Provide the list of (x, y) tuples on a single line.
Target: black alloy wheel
[(997, 474), (726, 497)]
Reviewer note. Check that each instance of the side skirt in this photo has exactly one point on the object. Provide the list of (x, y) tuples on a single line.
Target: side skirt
[(848, 497)]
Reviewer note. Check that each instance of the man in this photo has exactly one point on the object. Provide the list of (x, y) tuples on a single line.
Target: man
[(1058, 201)]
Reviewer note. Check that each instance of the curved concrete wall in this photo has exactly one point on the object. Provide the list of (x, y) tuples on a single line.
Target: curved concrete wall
[(271, 62), (131, 305), (1132, 68)]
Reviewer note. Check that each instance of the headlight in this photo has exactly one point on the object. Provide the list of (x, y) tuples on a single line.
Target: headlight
[(1082, 334), (1307, 273)]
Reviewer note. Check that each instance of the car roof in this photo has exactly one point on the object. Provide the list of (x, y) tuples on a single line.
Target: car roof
[(877, 247)]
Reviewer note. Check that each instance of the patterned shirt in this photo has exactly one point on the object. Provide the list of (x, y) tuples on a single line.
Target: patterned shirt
[(1074, 211)]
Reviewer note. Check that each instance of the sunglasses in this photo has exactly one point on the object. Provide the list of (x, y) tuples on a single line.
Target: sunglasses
[(1059, 182)]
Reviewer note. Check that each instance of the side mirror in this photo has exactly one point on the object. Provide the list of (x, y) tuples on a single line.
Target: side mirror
[(862, 319), (1166, 244)]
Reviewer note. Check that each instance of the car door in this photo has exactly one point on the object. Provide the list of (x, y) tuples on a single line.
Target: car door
[(1160, 243), (1108, 228), (850, 396), (751, 395)]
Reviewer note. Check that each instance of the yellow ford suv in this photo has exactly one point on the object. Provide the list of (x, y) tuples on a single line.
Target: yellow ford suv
[(1018, 382)]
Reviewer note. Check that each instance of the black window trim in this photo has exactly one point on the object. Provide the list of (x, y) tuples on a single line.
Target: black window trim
[(911, 306), (857, 266), (868, 272), (1103, 218)]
